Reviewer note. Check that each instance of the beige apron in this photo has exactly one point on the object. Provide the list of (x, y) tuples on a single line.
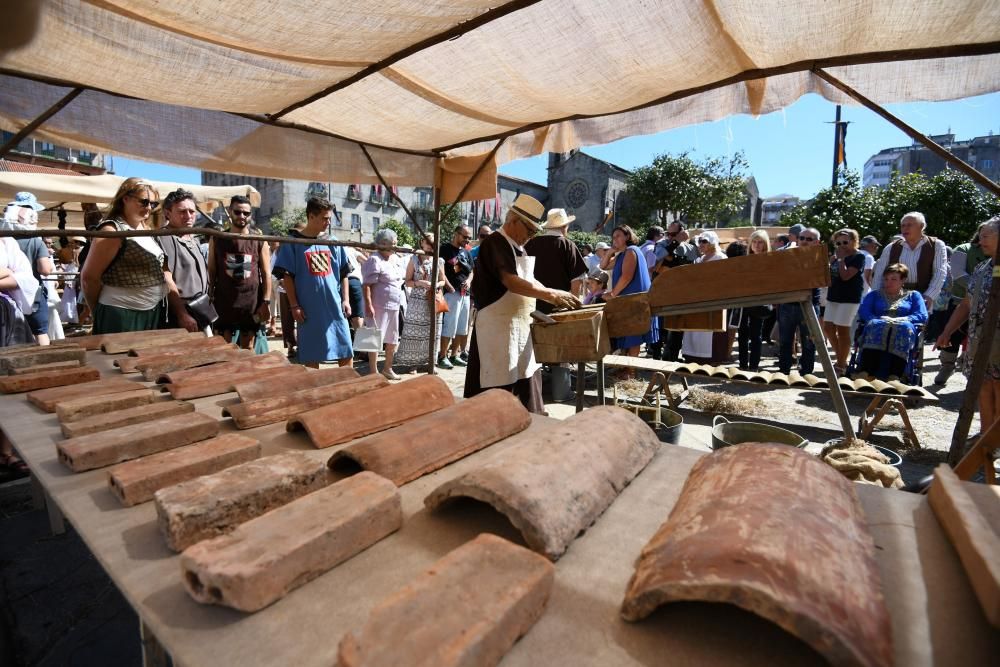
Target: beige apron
[(503, 333)]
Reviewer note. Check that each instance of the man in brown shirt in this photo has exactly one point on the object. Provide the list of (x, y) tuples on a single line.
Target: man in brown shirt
[(559, 264)]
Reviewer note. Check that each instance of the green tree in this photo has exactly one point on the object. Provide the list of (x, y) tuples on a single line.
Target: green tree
[(950, 201), (404, 234), (592, 238), (286, 220), (676, 187)]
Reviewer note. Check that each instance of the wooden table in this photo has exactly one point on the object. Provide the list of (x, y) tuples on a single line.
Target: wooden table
[(936, 619)]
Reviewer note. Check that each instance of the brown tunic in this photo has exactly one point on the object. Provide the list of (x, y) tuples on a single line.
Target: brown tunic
[(237, 283)]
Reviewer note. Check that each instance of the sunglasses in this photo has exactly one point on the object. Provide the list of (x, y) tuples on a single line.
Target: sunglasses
[(700, 241), (806, 239), (242, 214), (840, 243), (145, 201), (484, 236)]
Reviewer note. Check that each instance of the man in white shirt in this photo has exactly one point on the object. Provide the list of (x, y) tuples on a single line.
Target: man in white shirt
[(869, 247), (648, 249), (925, 257)]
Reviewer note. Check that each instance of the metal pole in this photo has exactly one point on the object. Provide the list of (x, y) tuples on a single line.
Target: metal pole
[(434, 343), (836, 146), (839, 404)]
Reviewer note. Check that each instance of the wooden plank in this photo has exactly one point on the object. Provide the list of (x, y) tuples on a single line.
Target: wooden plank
[(628, 315), (974, 536), (579, 335), (31, 348), (78, 408), (46, 399), (105, 448), (126, 417), (283, 406), (13, 384), (747, 276), (252, 391)]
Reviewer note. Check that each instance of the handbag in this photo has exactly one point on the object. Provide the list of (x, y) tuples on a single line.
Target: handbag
[(368, 339), (440, 305), (202, 310)]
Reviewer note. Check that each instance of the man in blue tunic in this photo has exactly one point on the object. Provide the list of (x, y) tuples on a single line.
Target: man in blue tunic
[(315, 280)]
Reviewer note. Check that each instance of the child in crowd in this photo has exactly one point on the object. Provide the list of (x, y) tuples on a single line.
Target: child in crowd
[(597, 285)]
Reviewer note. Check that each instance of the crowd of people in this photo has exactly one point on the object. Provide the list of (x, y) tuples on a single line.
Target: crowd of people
[(481, 294)]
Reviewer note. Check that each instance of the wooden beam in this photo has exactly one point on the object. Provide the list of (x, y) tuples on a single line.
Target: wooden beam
[(433, 40), (929, 143), (35, 124), (388, 189)]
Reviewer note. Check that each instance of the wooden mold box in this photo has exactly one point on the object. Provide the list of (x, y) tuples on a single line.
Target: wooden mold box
[(580, 335), (739, 277)]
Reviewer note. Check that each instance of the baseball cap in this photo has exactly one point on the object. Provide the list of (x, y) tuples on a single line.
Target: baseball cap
[(601, 245), (870, 239), (796, 229)]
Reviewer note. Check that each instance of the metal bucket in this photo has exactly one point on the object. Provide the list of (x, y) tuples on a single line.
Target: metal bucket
[(726, 433), (894, 458), (669, 429)]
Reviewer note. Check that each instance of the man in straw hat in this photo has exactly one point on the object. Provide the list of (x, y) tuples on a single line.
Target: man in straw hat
[(505, 290), (559, 264)]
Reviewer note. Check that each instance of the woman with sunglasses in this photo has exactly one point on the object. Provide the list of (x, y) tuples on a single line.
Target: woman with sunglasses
[(706, 346), (123, 279), (843, 298)]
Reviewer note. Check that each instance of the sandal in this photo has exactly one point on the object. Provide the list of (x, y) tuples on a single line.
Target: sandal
[(15, 466)]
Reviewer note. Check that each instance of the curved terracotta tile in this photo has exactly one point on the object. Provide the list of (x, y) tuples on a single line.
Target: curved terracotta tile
[(434, 440), (252, 391), (287, 405), (372, 412), (779, 533), (555, 481)]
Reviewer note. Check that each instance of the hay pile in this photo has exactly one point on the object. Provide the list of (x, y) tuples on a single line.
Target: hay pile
[(860, 462), (718, 402)]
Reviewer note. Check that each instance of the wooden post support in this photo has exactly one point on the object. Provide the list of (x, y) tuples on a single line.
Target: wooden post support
[(12, 143), (839, 404), (581, 384)]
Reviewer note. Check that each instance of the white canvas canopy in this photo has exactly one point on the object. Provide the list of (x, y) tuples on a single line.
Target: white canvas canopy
[(294, 89), (69, 191)]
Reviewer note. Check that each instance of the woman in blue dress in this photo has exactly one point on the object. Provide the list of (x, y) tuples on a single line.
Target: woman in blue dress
[(890, 315), (630, 275), (315, 281)]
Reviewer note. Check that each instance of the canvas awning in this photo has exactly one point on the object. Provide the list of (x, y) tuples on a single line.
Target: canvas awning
[(72, 190), (290, 89)]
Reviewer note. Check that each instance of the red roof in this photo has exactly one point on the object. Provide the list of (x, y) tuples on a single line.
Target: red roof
[(25, 168)]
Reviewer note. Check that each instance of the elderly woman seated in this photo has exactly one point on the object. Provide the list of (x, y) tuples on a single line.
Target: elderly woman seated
[(890, 317)]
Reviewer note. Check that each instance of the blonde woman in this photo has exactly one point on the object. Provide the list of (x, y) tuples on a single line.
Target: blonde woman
[(123, 279), (751, 327)]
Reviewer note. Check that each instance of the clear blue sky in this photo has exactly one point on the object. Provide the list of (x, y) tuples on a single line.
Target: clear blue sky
[(790, 151)]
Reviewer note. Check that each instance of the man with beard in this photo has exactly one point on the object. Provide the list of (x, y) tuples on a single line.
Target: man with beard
[(239, 278)]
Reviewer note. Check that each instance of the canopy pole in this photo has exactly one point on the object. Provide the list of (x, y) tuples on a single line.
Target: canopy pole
[(378, 174), (475, 175), (34, 125), (931, 145), (986, 335), (434, 343)]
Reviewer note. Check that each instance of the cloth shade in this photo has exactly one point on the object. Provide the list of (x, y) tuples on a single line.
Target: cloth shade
[(432, 83)]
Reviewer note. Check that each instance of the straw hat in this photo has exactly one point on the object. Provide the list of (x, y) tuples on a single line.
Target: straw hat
[(529, 209), (557, 219)]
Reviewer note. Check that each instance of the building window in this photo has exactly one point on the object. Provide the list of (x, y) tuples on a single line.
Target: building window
[(424, 199), (356, 221), (987, 164), (354, 191), (48, 149), (375, 223)]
